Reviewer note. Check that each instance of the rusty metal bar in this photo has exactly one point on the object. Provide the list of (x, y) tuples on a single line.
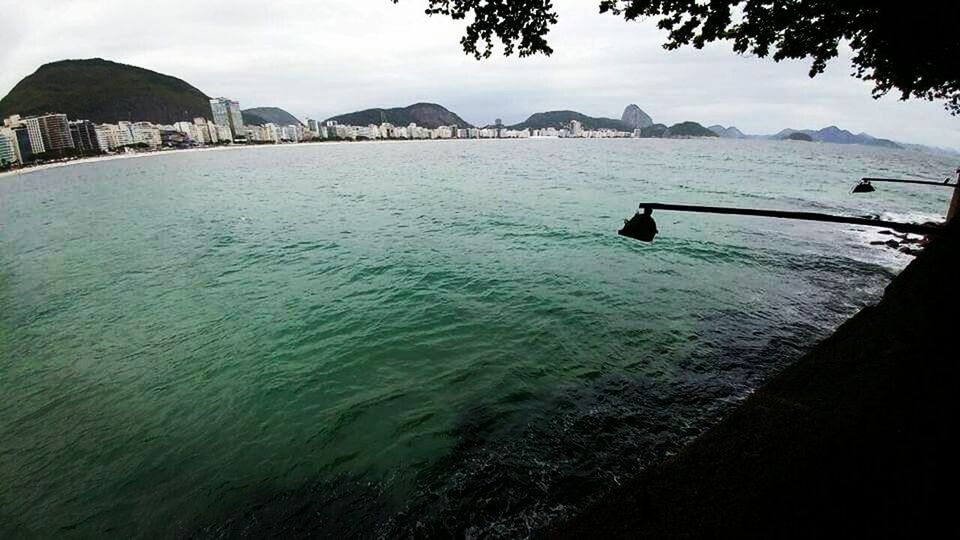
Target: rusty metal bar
[(901, 181)]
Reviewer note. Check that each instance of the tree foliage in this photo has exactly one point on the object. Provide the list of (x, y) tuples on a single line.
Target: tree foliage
[(912, 49), (520, 25)]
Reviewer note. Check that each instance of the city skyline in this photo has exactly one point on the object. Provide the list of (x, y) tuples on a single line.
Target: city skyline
[(318, 60), (31, 140)]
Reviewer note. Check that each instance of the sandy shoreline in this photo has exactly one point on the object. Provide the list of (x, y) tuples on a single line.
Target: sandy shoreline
[(112, 157)]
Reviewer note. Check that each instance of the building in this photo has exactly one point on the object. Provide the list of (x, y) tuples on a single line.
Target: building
[(208, 130), (24, 148), (174, 138), (148, 134), (227, 113), (223, 133), (84, 135), (125, 135), (16, 132), (55, 129), (192, 131), (35, 135), (8, 148), (108, 136), (12, 121), (292, 133), (576, 128)]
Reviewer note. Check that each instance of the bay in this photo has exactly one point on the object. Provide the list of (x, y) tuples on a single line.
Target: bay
[(429, 338)]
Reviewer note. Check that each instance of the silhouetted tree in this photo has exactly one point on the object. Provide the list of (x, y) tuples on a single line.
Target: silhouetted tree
[(911, 48)]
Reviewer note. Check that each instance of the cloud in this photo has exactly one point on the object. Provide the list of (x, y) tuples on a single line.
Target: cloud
[(320, 58)]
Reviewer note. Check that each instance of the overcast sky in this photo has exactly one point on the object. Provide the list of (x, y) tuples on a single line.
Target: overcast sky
[(319, 58)]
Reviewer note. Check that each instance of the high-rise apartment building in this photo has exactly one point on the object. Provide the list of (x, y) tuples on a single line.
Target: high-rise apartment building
[(24, 148), (84, 135), (36, 137), (108, 136), (8, 147), (53, 131), (227, 113)]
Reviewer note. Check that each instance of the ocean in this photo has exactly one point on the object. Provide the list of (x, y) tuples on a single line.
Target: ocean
[(441, 338)]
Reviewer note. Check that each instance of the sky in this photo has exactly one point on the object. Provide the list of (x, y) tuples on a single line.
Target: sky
[(320, 58)]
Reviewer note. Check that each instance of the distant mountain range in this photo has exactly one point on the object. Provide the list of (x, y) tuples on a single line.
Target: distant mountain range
[(727, 132), (429, 115), (833, 134), (829, 134), (102, 91), (260, 116)]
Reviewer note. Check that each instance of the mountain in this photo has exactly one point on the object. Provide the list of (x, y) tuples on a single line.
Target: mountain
[(656, 131), (103, 91), (798, 136), (683, 130), (562, 119), (833, 134), (634, 117), (689, 129), (428, 115), (727, 132), (259, 116)]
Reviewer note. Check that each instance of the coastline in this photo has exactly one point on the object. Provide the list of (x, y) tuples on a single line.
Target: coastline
[(133, 155)]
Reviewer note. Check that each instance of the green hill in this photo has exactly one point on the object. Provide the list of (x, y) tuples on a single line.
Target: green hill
[(428, 115), (655, 131), (268, 115), (682, 130), (798, 136), (562, 119), (689, 129), (104, 91)]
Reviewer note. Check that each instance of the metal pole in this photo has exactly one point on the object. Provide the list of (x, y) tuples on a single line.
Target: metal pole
[(897, 180), (806, 216)]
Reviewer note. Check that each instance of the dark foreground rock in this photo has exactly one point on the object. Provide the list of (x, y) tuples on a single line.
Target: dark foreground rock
[(855, 439)]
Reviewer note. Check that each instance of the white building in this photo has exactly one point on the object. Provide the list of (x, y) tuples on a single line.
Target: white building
[(291, 133), (368, 132), (576, 128), (226, 113), (8, 147), (149, 134), (108, 136), (12, 121), (207, 130), (125, 134), (192, 131), (36, 135)]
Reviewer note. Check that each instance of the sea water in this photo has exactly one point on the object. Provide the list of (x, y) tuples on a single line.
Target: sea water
[(424, 338)]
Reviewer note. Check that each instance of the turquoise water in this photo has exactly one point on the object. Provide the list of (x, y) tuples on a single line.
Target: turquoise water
[(403, 338)]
